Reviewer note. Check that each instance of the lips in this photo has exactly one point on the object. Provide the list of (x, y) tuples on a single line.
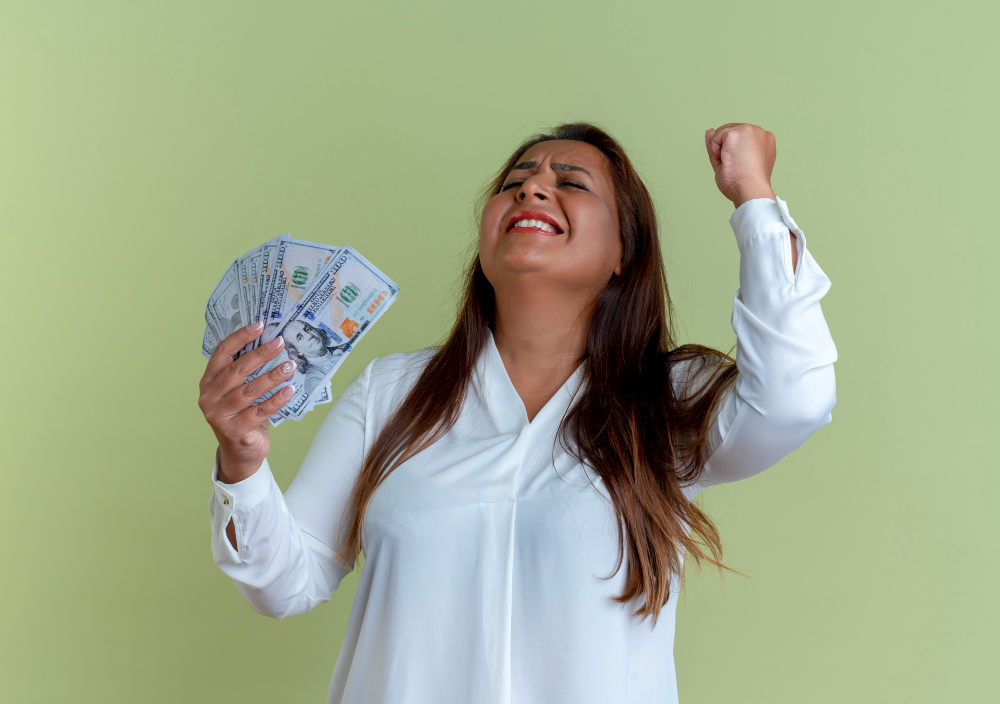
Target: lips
[(533, 215)]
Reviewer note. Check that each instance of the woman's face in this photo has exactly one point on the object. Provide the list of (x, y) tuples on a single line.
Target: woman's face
[(304, 338), (568, 184)]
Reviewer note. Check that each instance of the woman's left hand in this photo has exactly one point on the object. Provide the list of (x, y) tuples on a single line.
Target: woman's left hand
[(742, 156)]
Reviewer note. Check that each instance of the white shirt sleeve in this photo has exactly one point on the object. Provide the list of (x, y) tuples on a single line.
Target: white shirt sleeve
[(785, 388), (282, 566)]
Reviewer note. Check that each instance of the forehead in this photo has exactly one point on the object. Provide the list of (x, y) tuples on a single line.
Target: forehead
[(569, 151)]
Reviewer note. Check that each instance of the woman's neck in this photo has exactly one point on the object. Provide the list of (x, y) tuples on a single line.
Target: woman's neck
[(541, 339)]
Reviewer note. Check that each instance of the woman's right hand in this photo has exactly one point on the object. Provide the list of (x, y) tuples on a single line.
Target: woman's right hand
[(227, 400)]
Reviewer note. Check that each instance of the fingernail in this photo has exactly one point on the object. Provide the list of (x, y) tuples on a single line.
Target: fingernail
[(255, 326), (276, 342), (287, 367), (288, 391)]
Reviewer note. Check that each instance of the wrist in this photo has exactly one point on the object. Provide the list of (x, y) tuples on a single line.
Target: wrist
[(751, 191), (232, 470)]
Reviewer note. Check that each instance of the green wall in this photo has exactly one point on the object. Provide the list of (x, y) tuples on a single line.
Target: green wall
[(144, 145)]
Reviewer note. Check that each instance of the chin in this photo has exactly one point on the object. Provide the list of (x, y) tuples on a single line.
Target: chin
[(524, 260)]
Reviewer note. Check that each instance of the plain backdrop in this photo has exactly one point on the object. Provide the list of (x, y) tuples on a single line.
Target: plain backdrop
[(145, 145)]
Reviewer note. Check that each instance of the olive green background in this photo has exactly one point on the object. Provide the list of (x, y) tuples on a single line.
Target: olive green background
[(145, 145)]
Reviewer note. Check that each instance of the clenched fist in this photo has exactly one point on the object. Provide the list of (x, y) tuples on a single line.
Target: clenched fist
[(742, 156)]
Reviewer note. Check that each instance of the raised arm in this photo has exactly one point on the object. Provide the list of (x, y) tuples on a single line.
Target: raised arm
[(281, 562), (785, 388)]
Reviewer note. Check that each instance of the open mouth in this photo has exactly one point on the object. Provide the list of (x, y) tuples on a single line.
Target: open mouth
[(534, 221)]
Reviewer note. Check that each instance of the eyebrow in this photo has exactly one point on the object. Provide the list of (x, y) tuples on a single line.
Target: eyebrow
[(555, 165)]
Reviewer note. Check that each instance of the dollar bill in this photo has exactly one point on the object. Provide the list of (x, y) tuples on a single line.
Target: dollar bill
[(224, 307), (297, 264), (255, 262), (246, 280), (209, 341), (347, 298), (269, 251), (325, 396)]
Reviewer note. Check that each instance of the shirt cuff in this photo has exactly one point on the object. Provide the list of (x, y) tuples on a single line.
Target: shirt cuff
[(759, 215), (246, 493)]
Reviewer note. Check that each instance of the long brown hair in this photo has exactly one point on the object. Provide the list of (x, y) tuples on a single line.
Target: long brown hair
[(643, 440)]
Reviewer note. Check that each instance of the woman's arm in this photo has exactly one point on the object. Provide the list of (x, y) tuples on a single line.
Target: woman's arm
[(283, 543), (785, 388)]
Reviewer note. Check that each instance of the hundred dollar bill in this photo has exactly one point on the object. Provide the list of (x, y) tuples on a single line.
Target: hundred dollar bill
[(347, 298), (224, 308), (211, 337), (269, 251), (209, 312), (297, 264), (212, 324), (243, 283), (344, 303), (247, 280), (255, 262), (209, 340), (324, 397), (243, 272)]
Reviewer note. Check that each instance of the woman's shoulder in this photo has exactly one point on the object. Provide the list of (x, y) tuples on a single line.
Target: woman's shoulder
[(394, 374)]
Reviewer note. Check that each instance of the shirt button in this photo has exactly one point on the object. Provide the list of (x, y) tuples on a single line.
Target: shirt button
[(225, 501)]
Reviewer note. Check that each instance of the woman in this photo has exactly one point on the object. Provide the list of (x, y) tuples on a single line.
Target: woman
[(523, 493)]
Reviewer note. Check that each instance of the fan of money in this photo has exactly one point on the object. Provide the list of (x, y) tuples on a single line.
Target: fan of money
[(321, 298)]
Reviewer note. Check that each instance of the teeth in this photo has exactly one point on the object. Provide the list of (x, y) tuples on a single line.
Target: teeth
[(538, 224)]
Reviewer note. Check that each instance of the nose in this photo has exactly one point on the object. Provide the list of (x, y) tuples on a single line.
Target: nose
[(532, 188)]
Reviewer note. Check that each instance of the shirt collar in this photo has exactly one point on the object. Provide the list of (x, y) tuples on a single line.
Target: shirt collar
[(502, 402)]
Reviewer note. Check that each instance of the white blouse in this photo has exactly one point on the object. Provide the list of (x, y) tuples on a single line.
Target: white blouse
[(483, 553)]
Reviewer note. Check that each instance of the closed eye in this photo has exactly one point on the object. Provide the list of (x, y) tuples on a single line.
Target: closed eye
[(560, 182)]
